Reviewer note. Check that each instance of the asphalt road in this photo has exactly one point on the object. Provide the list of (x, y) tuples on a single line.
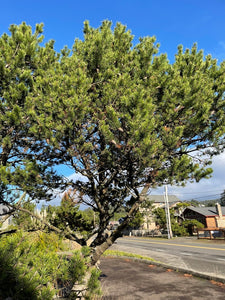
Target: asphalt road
[(205, 257), (127, 279)]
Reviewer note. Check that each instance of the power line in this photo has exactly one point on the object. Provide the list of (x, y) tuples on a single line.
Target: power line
[(221, 191), (206, 196)]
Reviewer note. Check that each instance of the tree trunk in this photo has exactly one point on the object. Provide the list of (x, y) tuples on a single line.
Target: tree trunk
[(98, 250)]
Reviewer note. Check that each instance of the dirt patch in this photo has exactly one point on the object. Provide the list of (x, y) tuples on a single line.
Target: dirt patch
[(130, 279)]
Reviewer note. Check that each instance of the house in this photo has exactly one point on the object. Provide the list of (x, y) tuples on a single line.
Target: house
[(211, 217), (5, 220), (158, 201)]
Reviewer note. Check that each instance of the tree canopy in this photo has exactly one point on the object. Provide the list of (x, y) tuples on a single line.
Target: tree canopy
[(22, 153), (120, 115)]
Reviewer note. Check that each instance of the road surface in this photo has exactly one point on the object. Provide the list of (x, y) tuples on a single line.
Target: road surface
[(205, 257), (127, 279)]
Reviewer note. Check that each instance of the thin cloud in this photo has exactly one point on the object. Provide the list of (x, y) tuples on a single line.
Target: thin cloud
[(206, 188), (222, 44)]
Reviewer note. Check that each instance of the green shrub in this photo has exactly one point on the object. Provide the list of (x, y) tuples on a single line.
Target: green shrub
[(30, 267), (179, 230), (94, 284)]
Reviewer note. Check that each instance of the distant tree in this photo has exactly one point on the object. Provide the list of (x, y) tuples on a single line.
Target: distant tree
[(160, 217), (191, 226), (209, 203), (22, 219), (68, 214), (91, 217), (222, 199), (137, 221), (194, 202)]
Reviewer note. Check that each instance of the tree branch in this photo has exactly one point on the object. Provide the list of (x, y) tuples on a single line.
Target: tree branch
[(67, 232)]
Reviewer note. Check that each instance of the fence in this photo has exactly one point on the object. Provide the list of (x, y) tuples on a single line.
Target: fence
[(211, 233)]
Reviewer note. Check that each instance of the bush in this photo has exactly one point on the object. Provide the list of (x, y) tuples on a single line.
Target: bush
[(179, 230), (30, 267), (192, 225)]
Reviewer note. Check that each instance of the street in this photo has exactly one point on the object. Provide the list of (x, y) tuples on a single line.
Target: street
[(206, 257), (130, 279)]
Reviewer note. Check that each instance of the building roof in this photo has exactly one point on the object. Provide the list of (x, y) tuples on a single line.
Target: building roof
[(161, 199), (207, 211)]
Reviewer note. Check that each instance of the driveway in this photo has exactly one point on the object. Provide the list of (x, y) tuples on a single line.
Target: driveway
[(130, 279)]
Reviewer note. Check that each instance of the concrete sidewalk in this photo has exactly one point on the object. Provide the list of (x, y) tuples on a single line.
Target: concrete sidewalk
[(129, 279)]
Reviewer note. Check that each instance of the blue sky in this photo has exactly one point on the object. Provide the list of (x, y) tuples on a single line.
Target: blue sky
[(173, 22)]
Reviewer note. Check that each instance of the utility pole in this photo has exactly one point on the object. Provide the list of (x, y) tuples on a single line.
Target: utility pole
[(167, 211)]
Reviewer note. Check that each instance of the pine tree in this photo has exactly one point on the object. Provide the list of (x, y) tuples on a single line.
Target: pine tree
[(127, 120), (120, 115)]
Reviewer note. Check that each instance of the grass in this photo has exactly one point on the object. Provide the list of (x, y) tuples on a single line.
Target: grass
[(126, 254)]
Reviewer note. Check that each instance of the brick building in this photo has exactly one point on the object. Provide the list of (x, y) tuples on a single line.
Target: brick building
[(211, 217)]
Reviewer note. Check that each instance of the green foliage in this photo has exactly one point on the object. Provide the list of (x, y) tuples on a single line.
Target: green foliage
[(78, 267), (160, 217), (22, 219), (94, 287), (137, 221), (23, 63), (90, 218), (30, 267), (178, 229), (147, 205), (191, 226), (69, 215), (182, 205), (194, 223), (117, 105), (194, 202)]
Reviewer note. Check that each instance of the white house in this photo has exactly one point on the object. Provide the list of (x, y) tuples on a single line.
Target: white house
[(158, 201), (5, 219)]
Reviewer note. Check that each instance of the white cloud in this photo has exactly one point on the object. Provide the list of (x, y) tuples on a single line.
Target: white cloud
[(76, 176), (206, 188)]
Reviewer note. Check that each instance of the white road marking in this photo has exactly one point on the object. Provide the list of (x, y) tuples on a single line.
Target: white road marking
[(221, 259), (186, 253)]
